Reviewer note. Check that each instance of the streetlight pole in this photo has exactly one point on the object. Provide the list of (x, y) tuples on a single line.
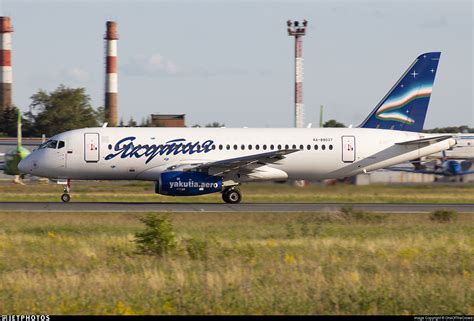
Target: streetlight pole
[(298, 30)]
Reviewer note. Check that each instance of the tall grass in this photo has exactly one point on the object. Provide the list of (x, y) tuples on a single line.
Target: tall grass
[(277, 193), (234, 263)]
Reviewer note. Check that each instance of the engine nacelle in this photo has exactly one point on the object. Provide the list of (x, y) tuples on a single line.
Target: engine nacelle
[(187, 184)]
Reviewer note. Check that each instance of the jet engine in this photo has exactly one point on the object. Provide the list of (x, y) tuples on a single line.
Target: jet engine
[(187, 184)]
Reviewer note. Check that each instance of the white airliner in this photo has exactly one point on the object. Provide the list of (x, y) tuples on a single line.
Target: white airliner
[(195, 161)]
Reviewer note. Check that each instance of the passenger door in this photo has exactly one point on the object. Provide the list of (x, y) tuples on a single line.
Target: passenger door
[(348, 149), (91, 147)]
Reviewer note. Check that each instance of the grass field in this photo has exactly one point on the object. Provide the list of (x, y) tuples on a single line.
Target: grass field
[(252, 263), (341, 193)]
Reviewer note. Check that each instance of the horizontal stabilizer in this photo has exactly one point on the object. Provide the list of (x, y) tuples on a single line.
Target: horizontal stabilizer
[(429, 140), (412, 170)]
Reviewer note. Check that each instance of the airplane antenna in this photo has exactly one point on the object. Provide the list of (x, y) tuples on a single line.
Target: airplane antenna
[(104, 125)]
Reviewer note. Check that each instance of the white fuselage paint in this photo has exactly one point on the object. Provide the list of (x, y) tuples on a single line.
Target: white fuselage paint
[(373, 149)]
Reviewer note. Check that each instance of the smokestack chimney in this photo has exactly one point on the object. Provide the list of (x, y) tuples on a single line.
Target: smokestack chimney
[(111, 74), (5, 63)]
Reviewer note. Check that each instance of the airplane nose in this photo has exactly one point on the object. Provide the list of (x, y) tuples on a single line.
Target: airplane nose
[(24, 165)]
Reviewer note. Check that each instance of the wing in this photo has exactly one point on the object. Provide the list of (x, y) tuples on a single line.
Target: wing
[(250, 164), (226, 165)]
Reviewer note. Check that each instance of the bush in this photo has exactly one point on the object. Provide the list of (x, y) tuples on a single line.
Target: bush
[(158, 237), (443, 216), (290, 230), (351, 214), (197, 249), (304, 228)]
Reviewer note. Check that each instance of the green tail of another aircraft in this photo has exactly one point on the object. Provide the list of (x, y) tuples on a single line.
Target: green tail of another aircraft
[(13, 157)]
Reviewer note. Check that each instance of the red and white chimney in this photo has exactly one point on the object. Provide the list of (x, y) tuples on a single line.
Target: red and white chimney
[(5, 63), (111, 74)]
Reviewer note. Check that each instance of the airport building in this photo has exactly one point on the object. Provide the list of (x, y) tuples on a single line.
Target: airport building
[(168, 120)]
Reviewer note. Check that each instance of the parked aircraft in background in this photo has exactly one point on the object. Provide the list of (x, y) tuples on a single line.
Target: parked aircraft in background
[(14, 156), (464, 148), (443, 167), (195, 161)]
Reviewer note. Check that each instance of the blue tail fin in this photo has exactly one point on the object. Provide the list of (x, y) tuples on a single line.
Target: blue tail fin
[(406, 104)]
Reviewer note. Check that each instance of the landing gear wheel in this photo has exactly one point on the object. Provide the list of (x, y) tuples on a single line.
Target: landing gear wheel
[(65, 198), (232, 196)]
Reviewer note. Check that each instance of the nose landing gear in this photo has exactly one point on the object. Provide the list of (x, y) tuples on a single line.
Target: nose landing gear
[(66, 197), (232, 195)]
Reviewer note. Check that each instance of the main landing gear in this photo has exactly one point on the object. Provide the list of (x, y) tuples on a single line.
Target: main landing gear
[(66, 197), (232, 195)]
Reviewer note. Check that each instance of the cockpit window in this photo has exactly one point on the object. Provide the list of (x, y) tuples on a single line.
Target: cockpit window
[(49, 144), (60, 144), (52, 144)]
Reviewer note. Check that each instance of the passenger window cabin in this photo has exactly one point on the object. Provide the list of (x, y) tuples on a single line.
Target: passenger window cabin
[(60, 144)]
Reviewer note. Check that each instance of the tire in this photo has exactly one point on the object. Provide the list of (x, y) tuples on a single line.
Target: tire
[(65, 198), (232, 196)]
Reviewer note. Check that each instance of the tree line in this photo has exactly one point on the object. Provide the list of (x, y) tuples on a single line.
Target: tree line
[(53, 112), (57, 111), (441, 130), (67, 108)]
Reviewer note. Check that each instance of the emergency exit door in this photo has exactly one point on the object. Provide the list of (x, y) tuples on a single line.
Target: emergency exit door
[(348, 149), (91, 147)]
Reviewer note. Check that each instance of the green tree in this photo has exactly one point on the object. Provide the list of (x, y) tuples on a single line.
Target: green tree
[(145, 122), (215, 124), (333, 123), (100, 115), (61, 110), (8, 122), (451, 129), (158, 238), (132, 122)]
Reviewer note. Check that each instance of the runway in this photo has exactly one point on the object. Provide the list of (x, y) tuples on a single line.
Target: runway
[(221, 207)]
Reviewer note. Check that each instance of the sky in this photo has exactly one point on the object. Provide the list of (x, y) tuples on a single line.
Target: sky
[(233, 62)]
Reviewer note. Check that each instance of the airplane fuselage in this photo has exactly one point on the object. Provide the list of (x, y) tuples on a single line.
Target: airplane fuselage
[(145, 153)]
